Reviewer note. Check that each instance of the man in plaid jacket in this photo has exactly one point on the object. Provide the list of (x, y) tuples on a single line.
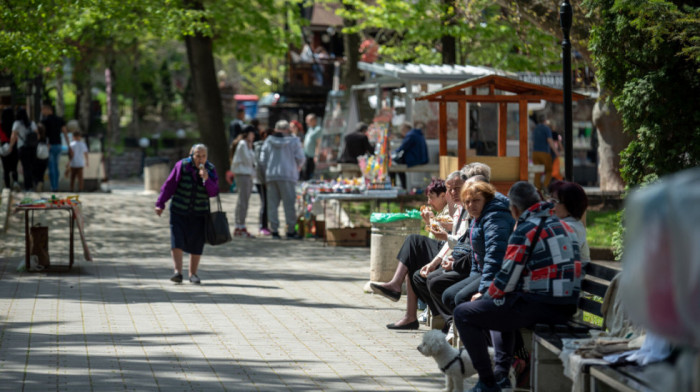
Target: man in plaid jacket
[(536, 284)]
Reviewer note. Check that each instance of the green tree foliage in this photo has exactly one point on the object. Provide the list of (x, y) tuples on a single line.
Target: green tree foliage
[(648, 56), (487, 34)]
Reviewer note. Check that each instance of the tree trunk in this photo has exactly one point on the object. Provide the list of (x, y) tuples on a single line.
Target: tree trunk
[(113, 133), (210, 116), (351, 74), (611, 141), (448, 42)]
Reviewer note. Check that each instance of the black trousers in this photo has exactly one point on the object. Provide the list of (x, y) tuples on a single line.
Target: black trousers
[(262, 215), (503, 317), (436, 284), (28, 158), (402, 177), (9, 168), (39, 170), (417, 250), (309, 167)]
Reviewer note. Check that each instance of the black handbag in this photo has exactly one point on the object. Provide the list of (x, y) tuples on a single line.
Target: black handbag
[(462, 254), (217, 230)]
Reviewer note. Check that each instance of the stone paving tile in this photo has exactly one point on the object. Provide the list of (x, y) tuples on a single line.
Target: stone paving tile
[(269, 316)]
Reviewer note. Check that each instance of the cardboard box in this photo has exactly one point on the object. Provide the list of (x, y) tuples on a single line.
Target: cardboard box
[(348, 236)]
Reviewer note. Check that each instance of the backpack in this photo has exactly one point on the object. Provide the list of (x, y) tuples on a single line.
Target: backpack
[(31, 140)]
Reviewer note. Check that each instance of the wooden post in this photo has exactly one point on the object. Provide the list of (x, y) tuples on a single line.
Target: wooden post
[(442, 127), (522, 112), (462, 133), (502, 128)]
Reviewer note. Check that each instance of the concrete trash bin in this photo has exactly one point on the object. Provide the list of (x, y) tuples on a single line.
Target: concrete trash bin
[(386, 241), (155, 172)]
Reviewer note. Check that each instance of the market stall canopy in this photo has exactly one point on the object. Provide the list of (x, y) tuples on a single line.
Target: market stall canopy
[(514, 91), (424, 73), (484, 89)]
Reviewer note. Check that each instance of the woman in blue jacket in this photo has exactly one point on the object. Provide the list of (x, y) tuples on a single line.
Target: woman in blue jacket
[(488, 237)]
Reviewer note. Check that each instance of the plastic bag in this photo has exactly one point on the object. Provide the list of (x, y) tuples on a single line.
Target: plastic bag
[(386, 217), (660, 284)]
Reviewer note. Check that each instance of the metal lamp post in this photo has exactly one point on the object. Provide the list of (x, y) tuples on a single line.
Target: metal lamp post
[(565, 18)]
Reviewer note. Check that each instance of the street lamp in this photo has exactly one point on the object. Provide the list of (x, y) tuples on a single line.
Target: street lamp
[(565, 18)]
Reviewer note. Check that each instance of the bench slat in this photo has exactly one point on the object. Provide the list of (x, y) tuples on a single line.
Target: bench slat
[(601, 271), (593, 287), (590, 306)]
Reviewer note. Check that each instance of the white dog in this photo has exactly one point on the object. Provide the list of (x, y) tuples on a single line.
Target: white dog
[(456, 364)]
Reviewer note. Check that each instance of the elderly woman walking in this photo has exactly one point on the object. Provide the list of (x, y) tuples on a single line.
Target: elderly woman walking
[(191, 183)]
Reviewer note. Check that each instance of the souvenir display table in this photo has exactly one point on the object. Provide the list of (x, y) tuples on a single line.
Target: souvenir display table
[(69, 205)]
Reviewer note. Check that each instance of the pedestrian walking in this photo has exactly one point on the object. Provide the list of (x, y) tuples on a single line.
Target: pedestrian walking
[(42, 158), (78, 161), (243, 168), (311, 141), (25, 138), (259, 181), (9, 155), (190, 184), (55, 129)]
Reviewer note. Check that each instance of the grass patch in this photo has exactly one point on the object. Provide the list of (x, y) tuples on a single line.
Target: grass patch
[(600, 225), (590, 317)]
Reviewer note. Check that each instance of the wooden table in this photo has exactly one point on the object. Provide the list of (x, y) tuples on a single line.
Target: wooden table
[(71, 224)]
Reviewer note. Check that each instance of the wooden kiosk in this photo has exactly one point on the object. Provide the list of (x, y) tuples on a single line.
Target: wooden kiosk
[(504, 170)]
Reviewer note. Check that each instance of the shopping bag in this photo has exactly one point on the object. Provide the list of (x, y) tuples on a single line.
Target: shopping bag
[(39, 243), (217, 230)]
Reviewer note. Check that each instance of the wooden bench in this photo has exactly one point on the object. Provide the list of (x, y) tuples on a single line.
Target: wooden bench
[(427, 168), (546, 369)]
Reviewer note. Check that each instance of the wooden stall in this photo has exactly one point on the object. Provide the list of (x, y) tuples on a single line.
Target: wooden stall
[(491, 89)]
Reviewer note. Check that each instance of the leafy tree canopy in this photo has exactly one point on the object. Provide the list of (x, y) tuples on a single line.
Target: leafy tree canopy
[(487, 34), (648, 56), (35, 34)]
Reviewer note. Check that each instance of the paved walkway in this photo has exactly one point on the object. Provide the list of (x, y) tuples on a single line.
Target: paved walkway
[(269, 315)]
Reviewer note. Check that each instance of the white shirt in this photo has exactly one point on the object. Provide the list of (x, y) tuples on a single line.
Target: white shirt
[(79, 150), (22, 131), (243, 159)]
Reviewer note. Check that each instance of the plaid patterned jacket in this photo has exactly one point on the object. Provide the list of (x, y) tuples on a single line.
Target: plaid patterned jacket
[(552, 272)]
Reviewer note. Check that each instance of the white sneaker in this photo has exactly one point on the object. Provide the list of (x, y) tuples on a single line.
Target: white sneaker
[(450, 335), (423, 318)]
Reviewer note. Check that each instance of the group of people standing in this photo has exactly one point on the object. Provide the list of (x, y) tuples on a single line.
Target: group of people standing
[(38, 146), (502, 263), (272, 160)]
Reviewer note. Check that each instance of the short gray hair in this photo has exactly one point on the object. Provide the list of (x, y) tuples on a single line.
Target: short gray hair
[(282, 125), (198, 146), (477, 169), (453, 175), (523, 195)]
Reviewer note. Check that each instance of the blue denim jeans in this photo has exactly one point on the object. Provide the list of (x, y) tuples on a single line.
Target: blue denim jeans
[(54, 154)]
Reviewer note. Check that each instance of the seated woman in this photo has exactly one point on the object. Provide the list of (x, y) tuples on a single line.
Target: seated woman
[(570, 203), (488, 234), (417, 251)]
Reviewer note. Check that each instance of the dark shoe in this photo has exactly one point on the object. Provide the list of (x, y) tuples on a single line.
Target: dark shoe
[(177, 278), (293, 236), (384, 292), (276, 236), (411, 325), (481, 387), (503, 381), (195, 279)]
